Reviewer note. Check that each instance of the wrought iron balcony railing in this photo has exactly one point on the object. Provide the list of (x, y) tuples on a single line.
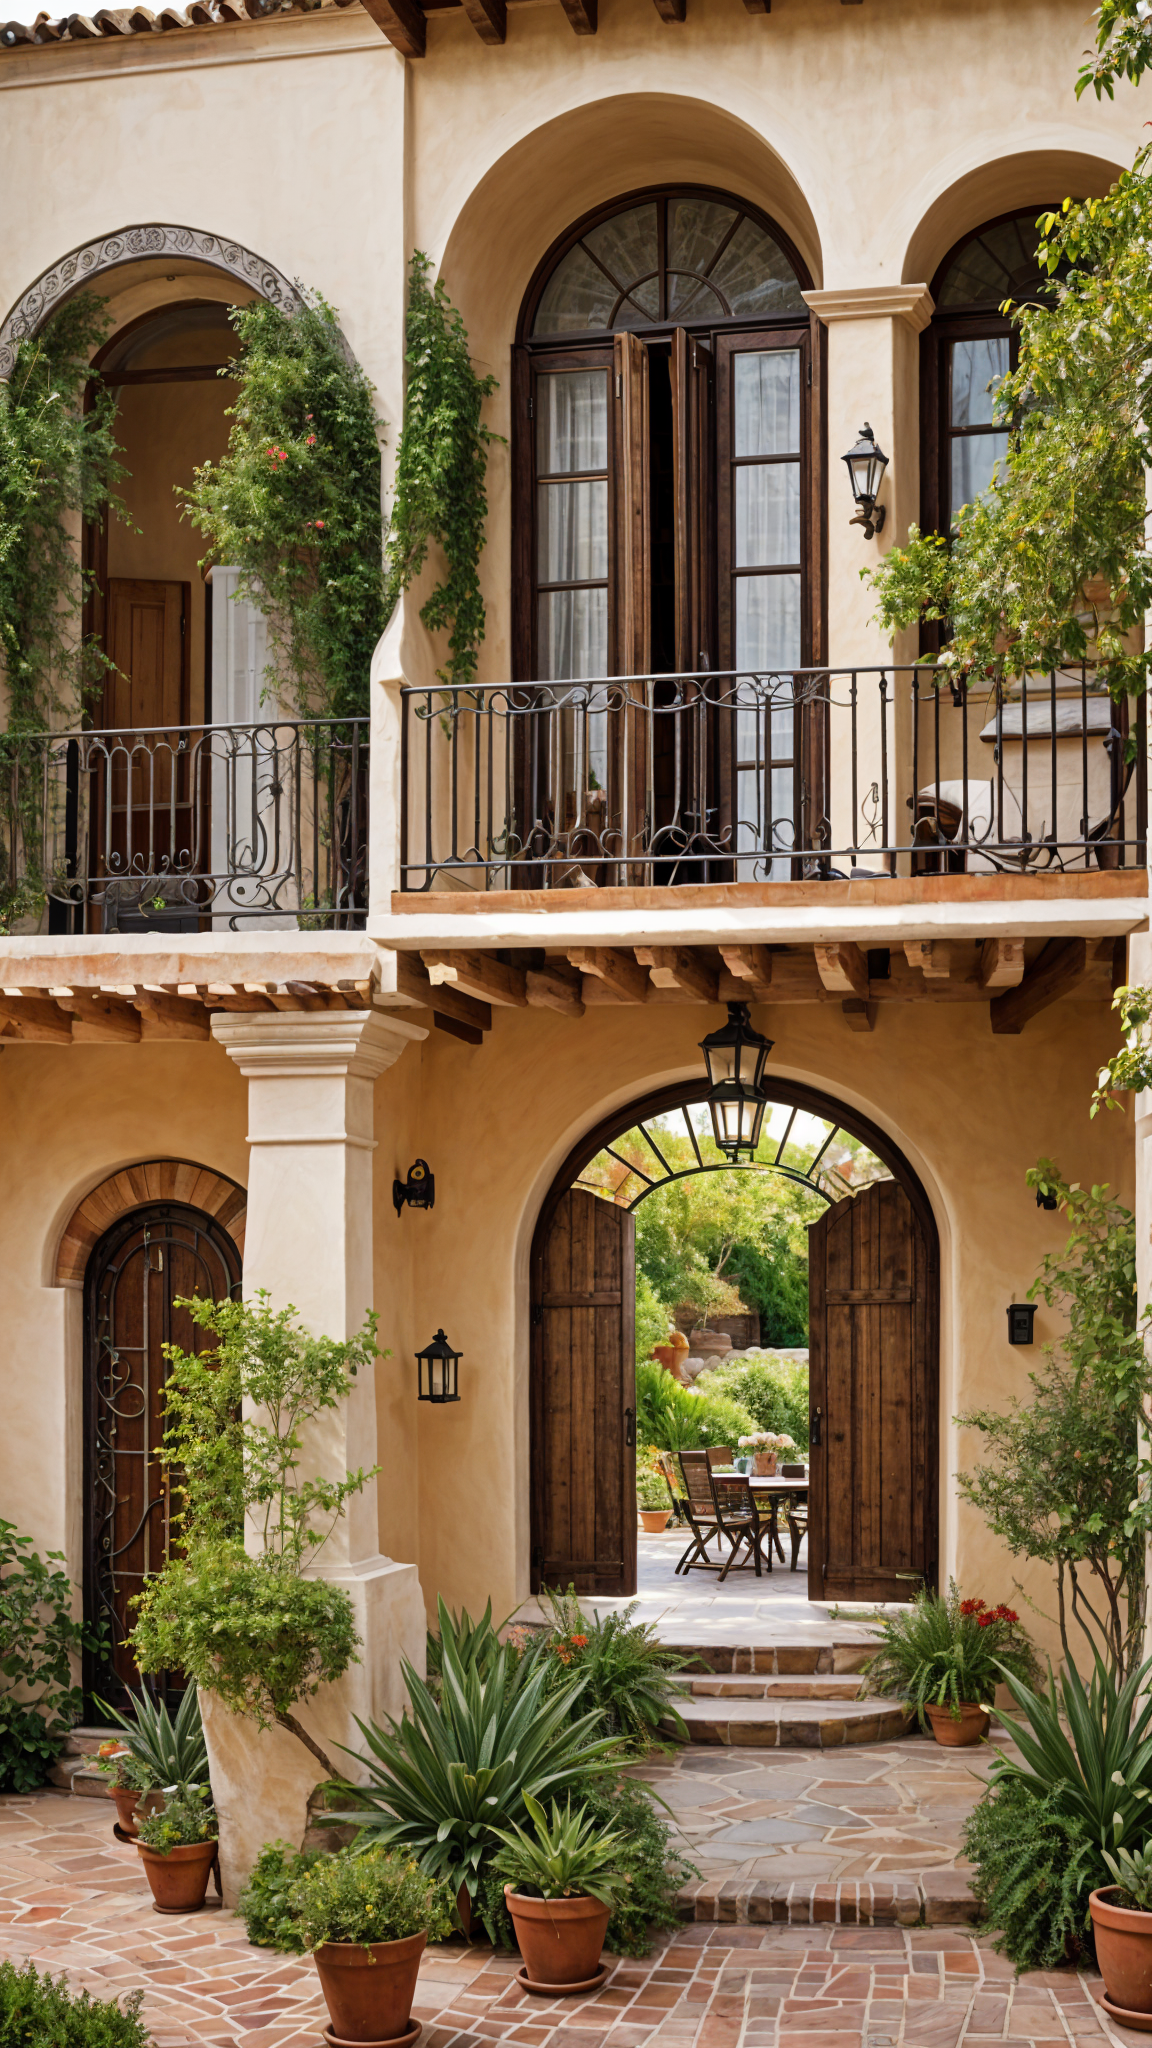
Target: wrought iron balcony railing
[(188, 829), (794, 775)]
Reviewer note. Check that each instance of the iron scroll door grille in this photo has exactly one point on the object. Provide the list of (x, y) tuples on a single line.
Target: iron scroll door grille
[(149, 1260)]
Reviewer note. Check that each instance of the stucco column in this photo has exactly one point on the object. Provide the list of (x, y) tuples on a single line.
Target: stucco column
[(874, 376), (308, 1242)]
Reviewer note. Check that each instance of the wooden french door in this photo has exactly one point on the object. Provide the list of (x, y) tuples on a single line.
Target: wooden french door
[(873, 1359), (147, 814), (583, 1406), (139, 1269)]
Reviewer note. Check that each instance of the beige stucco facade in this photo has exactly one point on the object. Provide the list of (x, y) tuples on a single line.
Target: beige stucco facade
[(875, 135)]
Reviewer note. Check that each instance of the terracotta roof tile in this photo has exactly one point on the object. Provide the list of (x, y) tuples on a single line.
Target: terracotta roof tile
[(140, 21)]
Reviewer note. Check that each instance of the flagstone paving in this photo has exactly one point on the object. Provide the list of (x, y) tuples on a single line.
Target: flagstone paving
[(74, 1899)]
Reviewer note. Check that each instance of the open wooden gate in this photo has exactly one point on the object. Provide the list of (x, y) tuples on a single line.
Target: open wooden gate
[(873, 1354), (583, 1408)]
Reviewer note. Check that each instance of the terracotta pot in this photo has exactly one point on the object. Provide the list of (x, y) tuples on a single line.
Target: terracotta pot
[(179, 1878), (652, 1520), (369, 1991), (951, 1733), (667, 1355), (764, 1464), (559, 1939), (1123, 1950), (130, 1805)]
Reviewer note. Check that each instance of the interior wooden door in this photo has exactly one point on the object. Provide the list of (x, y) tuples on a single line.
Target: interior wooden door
[(145, 803), (873, 1360), (584, 1399), (135, 1275)]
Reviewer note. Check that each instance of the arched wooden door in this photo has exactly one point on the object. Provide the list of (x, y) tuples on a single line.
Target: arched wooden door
[(583, 1407), (135, 1275), (873, 1293)]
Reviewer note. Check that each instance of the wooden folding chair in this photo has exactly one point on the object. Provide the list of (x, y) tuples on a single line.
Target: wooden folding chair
[(679, 1504), (700, 1510), (739, 1520)]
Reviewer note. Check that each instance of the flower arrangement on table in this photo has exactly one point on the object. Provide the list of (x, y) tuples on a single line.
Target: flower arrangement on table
[(765, 1445)]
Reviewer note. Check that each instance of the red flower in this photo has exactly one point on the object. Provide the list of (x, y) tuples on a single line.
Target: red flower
[(973, 1606), (319, 526), (578, 1642), (985, 1621), (1003, 1613), (311, 441)]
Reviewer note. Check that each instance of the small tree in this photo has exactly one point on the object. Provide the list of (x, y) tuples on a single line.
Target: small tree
[(247, 1624), (1066, 1480)]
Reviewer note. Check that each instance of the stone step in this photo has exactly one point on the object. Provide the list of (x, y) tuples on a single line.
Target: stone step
[(792, 1724), (86, 1741), (78, 1775), (935, 1898), (818, 1687), (772, 1660)]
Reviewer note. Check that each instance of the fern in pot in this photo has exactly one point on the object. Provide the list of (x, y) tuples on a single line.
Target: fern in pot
[(365, 1917), (561, 1883), (946, 1658)]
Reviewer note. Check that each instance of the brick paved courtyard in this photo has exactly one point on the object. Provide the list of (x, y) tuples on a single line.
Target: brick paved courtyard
[(74, 1899)]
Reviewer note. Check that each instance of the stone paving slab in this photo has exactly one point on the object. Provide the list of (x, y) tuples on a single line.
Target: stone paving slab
[(826, 1984)]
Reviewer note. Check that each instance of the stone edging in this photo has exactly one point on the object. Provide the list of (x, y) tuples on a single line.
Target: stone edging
[(937, 1898)]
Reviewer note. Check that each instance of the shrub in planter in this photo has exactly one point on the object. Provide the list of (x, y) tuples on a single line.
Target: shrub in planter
[(944, 1655), (38, 1640), (561, 1881), (264, 1904), (153, 1751), (365, 1919), (41, 2012), (177, 1846), (652, 1499)]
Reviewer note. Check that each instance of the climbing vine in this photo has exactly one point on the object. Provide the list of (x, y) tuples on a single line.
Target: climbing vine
[(440, 472), (295, 501)]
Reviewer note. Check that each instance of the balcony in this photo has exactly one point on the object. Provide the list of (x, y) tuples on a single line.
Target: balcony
[(800, 776), (235, 828)]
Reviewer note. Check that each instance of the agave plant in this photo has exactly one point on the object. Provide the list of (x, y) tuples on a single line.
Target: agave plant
[(454, 1769), (171, 1752), (1100, 1765), (569, 1857)]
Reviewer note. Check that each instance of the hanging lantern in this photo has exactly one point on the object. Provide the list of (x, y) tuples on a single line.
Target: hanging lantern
[(735, 1058), (437, 1370)]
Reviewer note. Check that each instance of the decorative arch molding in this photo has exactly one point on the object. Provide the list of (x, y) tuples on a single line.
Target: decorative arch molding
[(151, 1180), (142, 244)]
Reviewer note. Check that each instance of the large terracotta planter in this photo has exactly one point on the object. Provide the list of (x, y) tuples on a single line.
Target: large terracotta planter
[(951, 1733), (652, 1520), (369, 1991), (179, 1878), (1123, 1951), (559, 1939)]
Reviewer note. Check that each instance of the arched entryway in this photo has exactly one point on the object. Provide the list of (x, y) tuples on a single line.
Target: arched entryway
[(873, 1340), (154, 1254)]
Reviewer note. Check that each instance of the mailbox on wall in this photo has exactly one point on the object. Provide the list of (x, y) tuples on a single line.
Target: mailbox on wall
[(1021, 1317)]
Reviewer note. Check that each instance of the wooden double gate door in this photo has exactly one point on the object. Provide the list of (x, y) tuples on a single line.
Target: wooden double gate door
[(873, 1347)]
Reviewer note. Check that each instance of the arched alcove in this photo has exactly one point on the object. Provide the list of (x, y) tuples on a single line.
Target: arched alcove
[(1001, 185), (150, 1180)]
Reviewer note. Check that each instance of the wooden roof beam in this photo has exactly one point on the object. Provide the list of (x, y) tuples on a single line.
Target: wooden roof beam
[(1057, 970), (33, 1019), (752, 965), (679, 967), (843, 969), (404, 24), (1001, 963), (582, 16), (101, 1019), (673, 10), (165, 1016), (489, 18), (553, 987), (932, 956), (478, 975), (622, 976), (858, 1015), (446, 1000)]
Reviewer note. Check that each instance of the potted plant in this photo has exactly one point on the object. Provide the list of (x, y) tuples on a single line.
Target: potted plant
[(561, 1884), (152, 1751), (652, 1500), (946, 1658), (1122, 1929), (177, 1845), (365, 1917), (764, 1445), (128, 1782)]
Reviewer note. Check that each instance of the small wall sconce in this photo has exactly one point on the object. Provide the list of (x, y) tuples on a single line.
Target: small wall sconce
[(419, 1190), (437, 1371), (866, 465), (1021, 1316)]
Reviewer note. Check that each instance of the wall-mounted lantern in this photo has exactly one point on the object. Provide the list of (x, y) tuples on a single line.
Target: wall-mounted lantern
[(735, 1058), (866, 465), (1021, 1317), (1045, 1199), (437, 1370), (419, 1190)]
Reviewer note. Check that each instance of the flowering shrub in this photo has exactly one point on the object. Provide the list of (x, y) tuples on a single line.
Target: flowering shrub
[(766, 1440), (943, 1653)]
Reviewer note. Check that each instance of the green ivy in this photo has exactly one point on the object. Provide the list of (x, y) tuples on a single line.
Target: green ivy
[(295, 501), (38, 1641), (440, 472)]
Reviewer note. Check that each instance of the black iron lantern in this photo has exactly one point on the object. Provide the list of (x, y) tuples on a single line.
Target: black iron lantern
[(866, 465), (735, 1057), (437, 1370)]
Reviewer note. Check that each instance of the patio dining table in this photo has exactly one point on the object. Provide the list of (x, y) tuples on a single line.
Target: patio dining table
[(776, 1489)]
